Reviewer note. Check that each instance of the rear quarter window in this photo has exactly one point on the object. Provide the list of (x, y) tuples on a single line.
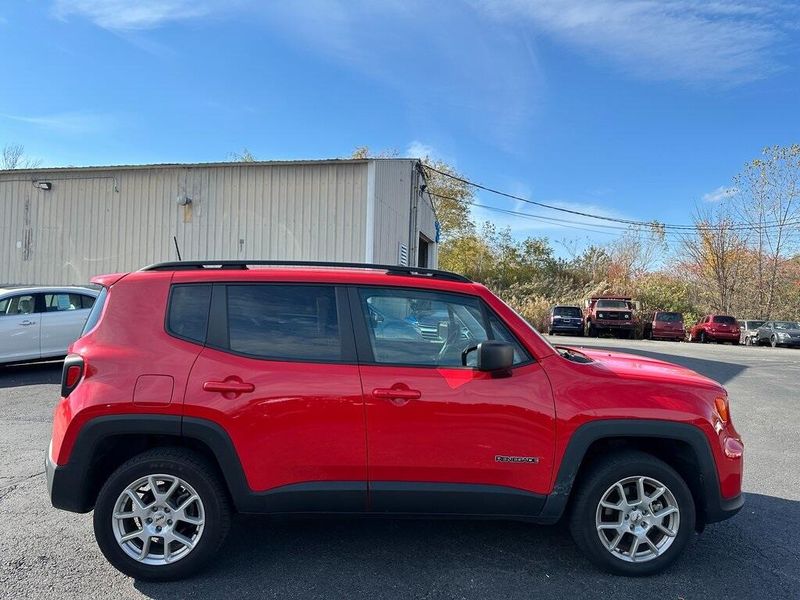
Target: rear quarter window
[(188, 311), (94, 314)]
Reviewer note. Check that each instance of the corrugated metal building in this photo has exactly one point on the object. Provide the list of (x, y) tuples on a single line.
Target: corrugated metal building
[(64, 225)]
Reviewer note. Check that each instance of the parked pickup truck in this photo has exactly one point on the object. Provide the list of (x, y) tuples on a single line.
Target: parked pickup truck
[(613, 314)]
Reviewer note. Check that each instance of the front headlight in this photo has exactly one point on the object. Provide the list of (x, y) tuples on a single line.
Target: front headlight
[(782, 335)]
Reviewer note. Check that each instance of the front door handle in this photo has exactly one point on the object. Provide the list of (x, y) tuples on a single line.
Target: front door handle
[(26, 323), (397, 392), (231, 386)]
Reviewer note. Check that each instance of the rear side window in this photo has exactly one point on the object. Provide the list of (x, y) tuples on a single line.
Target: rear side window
[(284, 322), (63, 302), (94, 315), (727, 320), (188, 311), (669, 317)]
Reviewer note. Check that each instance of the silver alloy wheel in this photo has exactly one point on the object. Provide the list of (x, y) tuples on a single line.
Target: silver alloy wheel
[(158, 519), (637, 519)]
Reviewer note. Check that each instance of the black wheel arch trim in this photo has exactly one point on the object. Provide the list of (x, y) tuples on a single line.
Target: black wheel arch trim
[(68, 489), (714, 506)]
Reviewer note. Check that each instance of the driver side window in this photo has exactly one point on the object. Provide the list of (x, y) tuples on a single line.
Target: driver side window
[(422, 328)]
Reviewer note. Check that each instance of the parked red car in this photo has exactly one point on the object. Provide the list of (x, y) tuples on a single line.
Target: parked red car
[(715, 328), (313, 389), (664, 325)]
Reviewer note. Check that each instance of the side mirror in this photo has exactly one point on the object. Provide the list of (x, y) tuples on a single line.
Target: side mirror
[(492, 356)]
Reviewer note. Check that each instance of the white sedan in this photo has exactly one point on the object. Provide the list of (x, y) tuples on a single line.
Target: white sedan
[(40, 322)]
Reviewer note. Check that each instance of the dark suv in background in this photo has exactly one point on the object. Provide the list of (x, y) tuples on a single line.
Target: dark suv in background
[(565, 319)]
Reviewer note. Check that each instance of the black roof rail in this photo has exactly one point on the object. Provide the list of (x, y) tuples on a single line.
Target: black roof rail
[(186, 265)]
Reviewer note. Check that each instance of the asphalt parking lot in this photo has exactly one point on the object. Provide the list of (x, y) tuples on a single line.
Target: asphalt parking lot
[(45, 553)]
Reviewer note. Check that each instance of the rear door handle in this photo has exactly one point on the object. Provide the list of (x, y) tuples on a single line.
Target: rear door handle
[(26, 323), (230, 386), (396, 393)]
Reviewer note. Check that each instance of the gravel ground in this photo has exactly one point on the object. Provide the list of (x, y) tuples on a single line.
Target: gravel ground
[(45, 553)]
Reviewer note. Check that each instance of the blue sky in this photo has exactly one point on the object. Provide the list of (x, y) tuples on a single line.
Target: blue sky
[(639, 109)]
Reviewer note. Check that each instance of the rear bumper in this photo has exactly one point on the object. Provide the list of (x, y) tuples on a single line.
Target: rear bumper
[(566, 328), (65, 487), (672, 335), (723, 337)]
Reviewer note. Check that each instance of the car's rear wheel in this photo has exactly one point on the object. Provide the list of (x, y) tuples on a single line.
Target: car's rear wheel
[(632, 514), (161, 515), (703, 338)]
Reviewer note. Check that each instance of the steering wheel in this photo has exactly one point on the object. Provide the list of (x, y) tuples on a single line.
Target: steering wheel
[(450, 352)]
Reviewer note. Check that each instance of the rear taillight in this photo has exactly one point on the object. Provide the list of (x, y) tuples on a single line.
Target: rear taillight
[(71, 375)]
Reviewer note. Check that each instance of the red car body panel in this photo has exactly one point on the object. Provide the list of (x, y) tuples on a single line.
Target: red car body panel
[(461, 422), (716, 331), (315, 422), (668, 330), (283, 437)]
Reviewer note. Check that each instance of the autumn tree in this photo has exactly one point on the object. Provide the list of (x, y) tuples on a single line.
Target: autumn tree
[(716, 252), (244, 156), (13, 157), (768, 201)]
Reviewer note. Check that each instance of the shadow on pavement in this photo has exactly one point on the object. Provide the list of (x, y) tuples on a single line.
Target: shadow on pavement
[(719, 371), (30, 374), (484, 559)]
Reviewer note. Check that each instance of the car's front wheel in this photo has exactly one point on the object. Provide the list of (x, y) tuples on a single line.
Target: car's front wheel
[(632, 514), (773, 341), (162, 515)]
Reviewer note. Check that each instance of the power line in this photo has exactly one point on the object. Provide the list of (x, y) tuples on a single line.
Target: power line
[(736, 227), (561, 222)]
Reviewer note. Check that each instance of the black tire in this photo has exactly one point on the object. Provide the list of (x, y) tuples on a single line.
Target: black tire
[(592, 330), (549, 332), (773, 341), (580, 333), (703, 338), (594, 484), (192, 469), (748, 341)]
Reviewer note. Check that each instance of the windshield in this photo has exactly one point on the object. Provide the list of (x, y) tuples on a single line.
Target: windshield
[(787, 325), (725, 320), (753, 324), (669, 317), (567, 311), (612, 304)]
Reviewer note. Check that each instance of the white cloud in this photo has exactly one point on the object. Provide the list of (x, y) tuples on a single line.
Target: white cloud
[(67, 122), (124, 15), (726, 41), (721, 193), (417, 149), (443, 60)]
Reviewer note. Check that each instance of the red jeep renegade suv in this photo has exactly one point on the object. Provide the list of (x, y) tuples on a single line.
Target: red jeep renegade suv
[(200, 389)]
